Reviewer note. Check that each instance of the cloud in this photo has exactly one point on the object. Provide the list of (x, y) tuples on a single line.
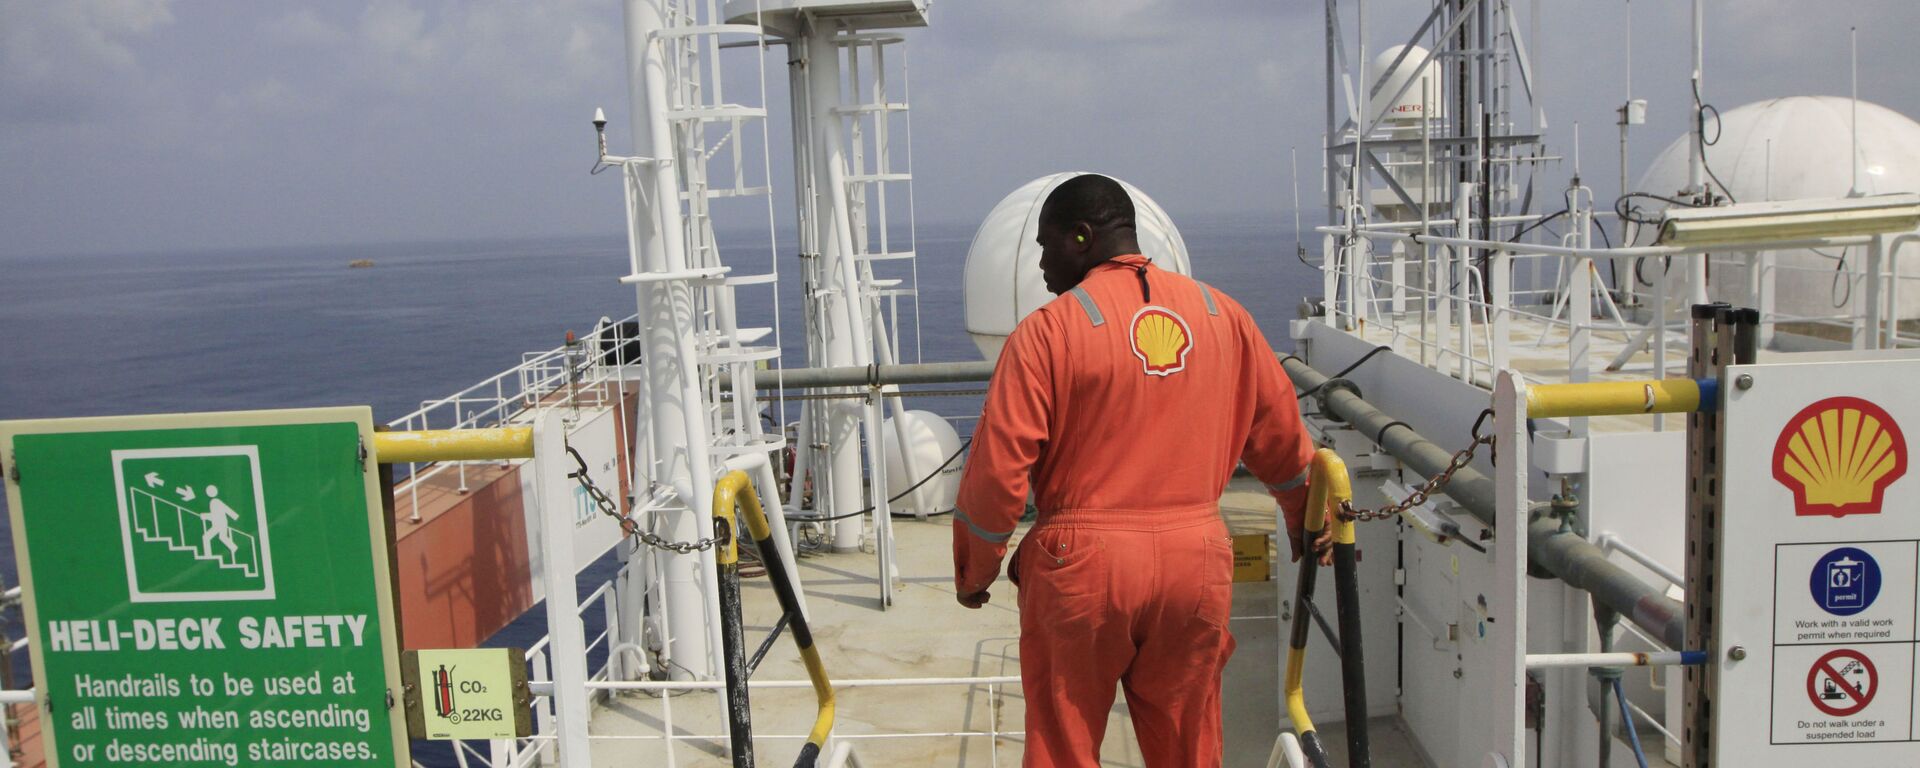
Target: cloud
[(66, 61)]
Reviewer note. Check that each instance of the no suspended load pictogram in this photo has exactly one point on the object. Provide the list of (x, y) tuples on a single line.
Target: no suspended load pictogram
[(1842, 682)]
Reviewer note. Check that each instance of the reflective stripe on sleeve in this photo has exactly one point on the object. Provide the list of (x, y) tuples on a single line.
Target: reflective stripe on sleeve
[(1207, 293), (994, 538), (1086, 303), (1297, 481)]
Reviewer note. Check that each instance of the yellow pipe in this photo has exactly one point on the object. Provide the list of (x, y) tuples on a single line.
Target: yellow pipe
[(823, 693), (1296, 693), (453, 445), (1613, 398)]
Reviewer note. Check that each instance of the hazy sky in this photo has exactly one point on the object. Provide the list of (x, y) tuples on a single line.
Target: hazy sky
[(152, 124)]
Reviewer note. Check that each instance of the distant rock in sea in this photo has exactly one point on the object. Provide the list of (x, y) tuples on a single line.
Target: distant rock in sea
[(359, 263)]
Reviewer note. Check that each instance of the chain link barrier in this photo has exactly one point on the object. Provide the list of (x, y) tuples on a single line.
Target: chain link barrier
[(627, 524), (1433, 485)]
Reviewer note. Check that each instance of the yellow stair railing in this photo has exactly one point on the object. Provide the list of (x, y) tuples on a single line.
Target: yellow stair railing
[(1328, 491), (735, 490)]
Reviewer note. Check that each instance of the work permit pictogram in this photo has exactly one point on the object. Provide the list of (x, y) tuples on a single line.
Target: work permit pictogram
[(1842, 682), (1845, 581)]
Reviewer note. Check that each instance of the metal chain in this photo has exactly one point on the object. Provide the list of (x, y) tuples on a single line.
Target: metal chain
[(1433, 484), (627, 524)]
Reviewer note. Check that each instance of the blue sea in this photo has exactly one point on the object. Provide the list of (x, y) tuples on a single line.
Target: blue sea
[(293, 326)]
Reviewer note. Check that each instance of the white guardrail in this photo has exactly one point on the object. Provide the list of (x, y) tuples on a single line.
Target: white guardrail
[(1468, 307), (507, 397)]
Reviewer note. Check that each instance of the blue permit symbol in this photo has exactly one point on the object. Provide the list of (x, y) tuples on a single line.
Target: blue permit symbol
[(1845, 581)]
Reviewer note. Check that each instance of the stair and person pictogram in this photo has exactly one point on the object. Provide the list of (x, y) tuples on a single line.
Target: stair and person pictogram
[(206, 535)]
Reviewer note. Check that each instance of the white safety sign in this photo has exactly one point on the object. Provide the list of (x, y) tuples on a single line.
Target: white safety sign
[(1817, 493)]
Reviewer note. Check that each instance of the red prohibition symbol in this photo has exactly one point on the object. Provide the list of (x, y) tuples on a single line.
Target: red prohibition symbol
[(1842, 682)]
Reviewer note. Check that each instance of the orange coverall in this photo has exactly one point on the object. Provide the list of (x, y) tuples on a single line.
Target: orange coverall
[(1125, 418)]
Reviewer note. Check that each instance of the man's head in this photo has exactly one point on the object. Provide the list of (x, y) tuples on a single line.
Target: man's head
[(1088, 219)]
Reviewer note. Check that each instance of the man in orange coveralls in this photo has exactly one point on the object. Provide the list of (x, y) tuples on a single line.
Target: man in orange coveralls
[(1123, 405)]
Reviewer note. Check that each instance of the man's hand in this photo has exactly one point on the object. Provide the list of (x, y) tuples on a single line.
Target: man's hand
[(973, 600), (1322, 545)]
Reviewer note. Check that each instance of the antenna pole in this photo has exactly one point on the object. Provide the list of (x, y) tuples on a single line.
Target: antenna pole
[(1696, 157), (1853, 42)]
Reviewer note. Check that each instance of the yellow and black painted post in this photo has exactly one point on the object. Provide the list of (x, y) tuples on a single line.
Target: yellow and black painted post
[(726, 558), (736, 489), (1327, 491)]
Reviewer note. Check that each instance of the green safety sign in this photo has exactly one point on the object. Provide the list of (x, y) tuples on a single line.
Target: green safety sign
[(206, 589)]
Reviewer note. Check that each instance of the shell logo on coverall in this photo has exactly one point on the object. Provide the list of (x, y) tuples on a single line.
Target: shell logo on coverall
[(1161, 339)]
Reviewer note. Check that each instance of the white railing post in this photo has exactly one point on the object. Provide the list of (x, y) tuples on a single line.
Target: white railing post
[(543, 710), (1500, 313), (566, 636), (1877, 335), (1510, 572), (615, 668)]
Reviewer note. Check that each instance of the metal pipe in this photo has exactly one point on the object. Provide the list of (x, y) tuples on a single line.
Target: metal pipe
[(1615, 398), (453, 445), (1628, 252), (1565, 554), (1620, 659)]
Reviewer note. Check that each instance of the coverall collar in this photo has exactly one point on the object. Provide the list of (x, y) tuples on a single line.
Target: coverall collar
[(1130, 261)]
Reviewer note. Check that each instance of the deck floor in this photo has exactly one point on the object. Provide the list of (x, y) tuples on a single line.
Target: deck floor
[(927, 634)]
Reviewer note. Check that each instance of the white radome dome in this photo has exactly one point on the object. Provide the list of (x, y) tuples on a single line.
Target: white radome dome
[(1412, 105), (1792, 148), (1003, 281)]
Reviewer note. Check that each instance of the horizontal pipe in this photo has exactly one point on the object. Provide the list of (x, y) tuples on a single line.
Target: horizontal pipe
[(1653, 659), (1633, 252), (870, 375), (453, 445), (1562, 553), (1616, 398)]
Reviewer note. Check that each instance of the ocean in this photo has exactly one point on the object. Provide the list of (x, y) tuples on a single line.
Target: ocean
[(293, 326)]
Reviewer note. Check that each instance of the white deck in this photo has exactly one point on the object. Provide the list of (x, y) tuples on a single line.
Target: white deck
[(926, 634)]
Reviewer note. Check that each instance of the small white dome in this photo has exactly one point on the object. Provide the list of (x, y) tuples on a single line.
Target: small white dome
[(932, 441), (1003, 281), (1412, 105), (1793, 148)]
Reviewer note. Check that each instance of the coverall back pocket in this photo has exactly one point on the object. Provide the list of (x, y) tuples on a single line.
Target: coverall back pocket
[(1064, 562)]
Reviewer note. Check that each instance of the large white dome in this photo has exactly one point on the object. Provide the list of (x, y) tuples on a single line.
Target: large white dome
[(1003, 280), (1795, 148)]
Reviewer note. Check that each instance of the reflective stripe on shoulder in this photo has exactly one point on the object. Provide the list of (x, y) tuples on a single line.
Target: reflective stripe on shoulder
[(1289, 485), (1086, 303), (1207, 293), (995, 538)]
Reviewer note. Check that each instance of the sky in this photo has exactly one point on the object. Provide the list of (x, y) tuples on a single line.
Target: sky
[(147, 125)]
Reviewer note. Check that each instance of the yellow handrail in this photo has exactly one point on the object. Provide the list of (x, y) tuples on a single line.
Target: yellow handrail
[(1613, 398), (1327, 489), (736, 489), (453, 445)]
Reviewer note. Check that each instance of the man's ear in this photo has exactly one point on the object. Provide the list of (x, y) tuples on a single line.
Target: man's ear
[(1082, 234)]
